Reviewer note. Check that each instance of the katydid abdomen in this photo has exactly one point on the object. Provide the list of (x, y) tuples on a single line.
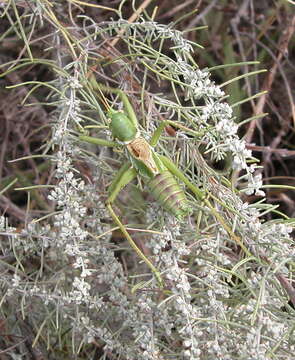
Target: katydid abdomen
[(169, 194)]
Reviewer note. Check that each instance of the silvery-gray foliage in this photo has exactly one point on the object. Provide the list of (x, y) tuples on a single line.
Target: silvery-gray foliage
[(215, 303)]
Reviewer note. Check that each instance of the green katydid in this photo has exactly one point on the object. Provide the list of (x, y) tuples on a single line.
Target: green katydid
[(158, 171)]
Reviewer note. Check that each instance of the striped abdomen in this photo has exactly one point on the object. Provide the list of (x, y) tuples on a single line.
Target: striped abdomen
[(169, 194)]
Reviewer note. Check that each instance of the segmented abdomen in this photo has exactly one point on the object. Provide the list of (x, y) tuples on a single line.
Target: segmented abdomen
[(169, 194)]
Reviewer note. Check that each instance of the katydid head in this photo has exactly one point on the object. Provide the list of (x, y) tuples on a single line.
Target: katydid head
[(121, 126)]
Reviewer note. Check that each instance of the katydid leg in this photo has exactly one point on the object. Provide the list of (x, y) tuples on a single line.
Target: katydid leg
[(122, 178), (97, 141), (179, 174), (134, 246), (125, 175), (157, 134)]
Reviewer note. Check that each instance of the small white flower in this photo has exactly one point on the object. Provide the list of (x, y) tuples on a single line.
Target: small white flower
[(74, 83)]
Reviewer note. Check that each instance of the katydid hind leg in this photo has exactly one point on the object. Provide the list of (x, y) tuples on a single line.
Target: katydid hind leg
[(134, 246), (179, 174), (125, 175)]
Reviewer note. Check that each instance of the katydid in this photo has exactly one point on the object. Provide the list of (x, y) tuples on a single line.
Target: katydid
[(158, 172)]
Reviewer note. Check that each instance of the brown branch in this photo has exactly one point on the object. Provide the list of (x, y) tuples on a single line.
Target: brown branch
[(268, 81)]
